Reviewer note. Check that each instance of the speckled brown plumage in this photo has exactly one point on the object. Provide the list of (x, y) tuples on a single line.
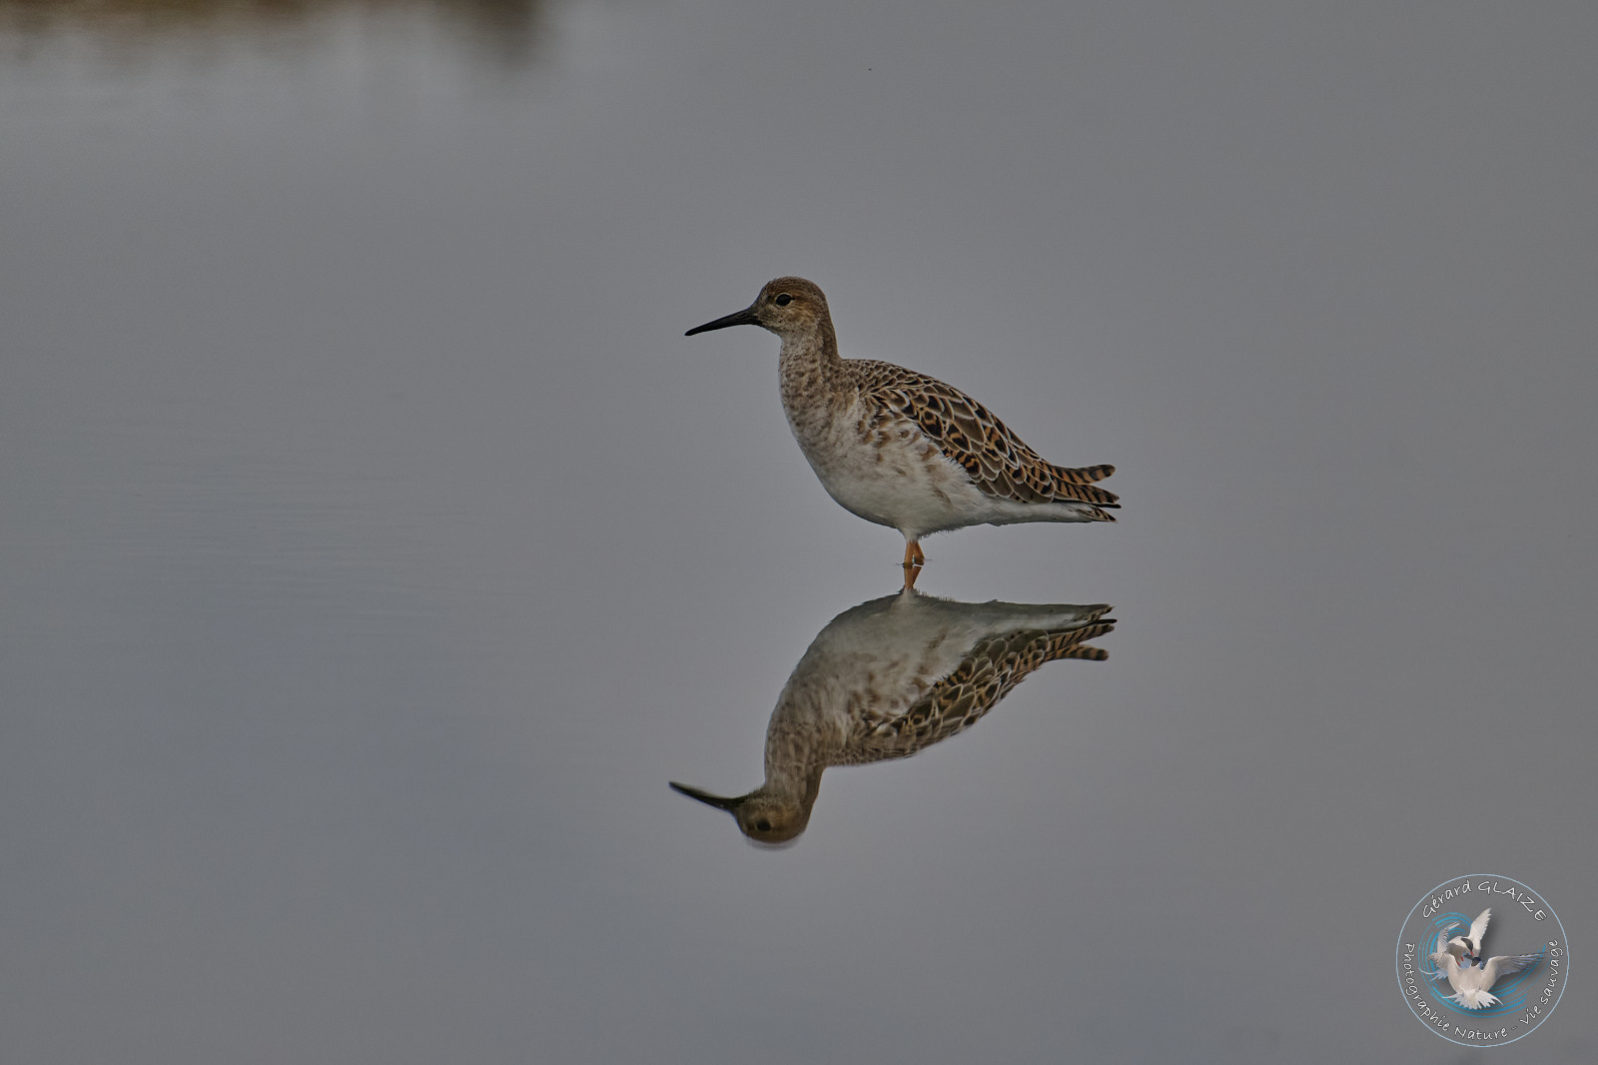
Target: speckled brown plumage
[(987, 674), (902, 449), (998, 461), (891, 677)]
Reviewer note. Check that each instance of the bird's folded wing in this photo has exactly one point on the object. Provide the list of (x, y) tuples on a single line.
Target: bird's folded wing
[(999, 462), (958, 700)]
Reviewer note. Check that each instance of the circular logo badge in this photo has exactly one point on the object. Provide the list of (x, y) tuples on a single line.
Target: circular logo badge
[(1482, 960)]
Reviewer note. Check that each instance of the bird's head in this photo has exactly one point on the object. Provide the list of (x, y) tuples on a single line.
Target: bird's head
[(788, 306), (763, 817)]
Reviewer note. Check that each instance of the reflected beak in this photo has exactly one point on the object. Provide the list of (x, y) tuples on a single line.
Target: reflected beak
[(743, 317), (718, 801)]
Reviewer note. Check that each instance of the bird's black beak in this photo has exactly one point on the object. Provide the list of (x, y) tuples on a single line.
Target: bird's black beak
[(720, 802), (743, 317)]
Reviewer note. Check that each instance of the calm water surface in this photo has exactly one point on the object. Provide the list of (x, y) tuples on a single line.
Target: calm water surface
[(377, 549)]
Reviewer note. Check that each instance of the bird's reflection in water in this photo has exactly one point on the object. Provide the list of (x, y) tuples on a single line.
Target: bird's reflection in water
[(890, 677)]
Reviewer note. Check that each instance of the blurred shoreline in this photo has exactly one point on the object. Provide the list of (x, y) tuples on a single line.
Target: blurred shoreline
[(509, 31)]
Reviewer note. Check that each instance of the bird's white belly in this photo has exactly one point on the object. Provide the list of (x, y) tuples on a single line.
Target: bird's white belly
[(892, 475)]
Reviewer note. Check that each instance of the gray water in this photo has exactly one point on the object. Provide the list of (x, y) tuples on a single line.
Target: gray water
[(376, 548)]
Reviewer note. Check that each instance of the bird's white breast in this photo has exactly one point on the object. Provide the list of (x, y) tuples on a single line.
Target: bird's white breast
[(890, 474)]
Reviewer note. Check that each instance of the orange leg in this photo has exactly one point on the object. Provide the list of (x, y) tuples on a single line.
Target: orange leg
[(913, 555)]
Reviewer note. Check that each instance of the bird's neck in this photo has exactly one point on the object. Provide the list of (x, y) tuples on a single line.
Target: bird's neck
[(809, 370), (799, 745), (808, 364), (795, 782)]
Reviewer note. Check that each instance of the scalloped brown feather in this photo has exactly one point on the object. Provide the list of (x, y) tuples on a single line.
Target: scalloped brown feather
[(999, 462), (986, 675)]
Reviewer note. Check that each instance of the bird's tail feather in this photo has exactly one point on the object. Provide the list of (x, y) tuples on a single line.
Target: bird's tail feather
[(1474, 999), (1083, 474), (1076, 485)]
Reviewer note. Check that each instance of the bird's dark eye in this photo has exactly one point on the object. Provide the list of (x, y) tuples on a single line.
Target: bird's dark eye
[(764, 825), (783, 300)]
